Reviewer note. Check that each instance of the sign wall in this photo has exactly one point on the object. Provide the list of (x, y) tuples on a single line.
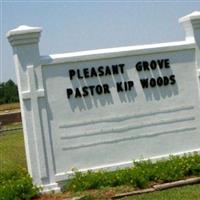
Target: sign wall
[(102, 109)]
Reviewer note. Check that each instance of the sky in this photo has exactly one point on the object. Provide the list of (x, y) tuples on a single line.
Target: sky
[(70, 26)]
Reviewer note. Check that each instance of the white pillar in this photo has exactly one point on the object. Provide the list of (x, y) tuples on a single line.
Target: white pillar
[(191, 24), (24, 41)]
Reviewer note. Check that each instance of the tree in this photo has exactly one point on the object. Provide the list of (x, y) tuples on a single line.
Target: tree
[(8, 92)]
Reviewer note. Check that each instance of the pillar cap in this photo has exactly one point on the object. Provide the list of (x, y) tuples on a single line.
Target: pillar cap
[(191, 24), (24, 35), (192, 16)]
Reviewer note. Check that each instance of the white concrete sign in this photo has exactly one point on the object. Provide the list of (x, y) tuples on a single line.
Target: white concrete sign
[(102, 109)]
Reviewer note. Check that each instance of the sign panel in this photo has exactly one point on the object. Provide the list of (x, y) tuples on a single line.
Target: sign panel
[(116, 110)]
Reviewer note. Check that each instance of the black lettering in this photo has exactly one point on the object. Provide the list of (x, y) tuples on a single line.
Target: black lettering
[(85, 91), (172, 79), (107, 71), (144, 83), (69, 92), (71, 73), (100, 71), (86, 72), (119, 87), (166, 80), (125, 86), (91, 89), (167, 63), (93, 72), (153, 64), (115, 69), (106, 88), (152, 82), (130, 84), (122, 68), (160, 63), (159, 81), (139, 66), (77, 93), (79, 74), (99, 89), (145, 65)]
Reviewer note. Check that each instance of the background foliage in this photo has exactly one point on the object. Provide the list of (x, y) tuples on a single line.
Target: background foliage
[(8, 92)]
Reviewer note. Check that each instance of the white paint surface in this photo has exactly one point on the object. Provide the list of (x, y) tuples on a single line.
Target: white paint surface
[(108, 130)]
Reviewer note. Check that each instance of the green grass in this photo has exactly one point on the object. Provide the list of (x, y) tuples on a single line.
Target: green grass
[(12, 152), (10, 126), (15, 182), (183, 193)]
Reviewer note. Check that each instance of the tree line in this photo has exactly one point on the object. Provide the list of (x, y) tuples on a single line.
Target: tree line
[(8, 92)]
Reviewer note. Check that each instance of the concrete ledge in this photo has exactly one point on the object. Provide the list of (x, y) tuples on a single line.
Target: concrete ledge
[(177, 183)]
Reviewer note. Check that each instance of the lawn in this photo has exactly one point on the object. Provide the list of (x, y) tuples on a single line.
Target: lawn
[(191, 192), (12, 151)]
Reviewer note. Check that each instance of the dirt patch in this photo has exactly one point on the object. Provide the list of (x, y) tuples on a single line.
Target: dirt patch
[(9, 106), (8, 118), (98, 194)]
